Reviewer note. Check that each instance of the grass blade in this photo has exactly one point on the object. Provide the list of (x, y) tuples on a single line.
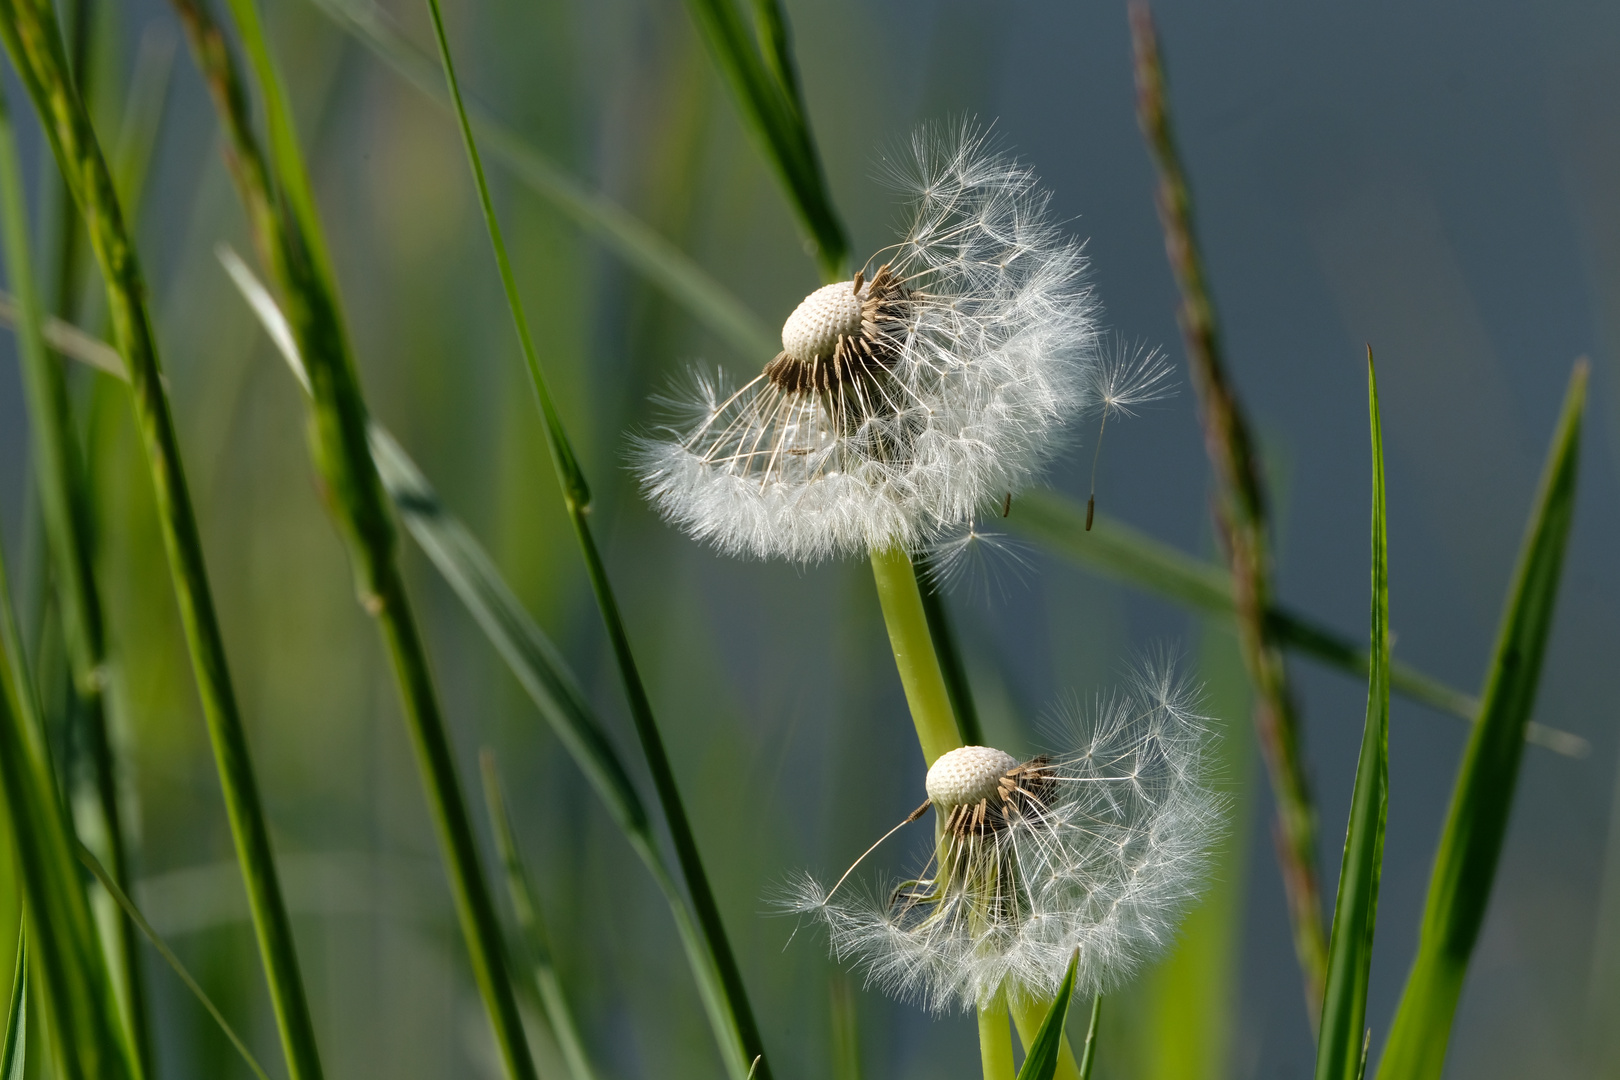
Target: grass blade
[(134, 915), (64, 495), (14, 1051), (1242, 521), (275, 193), (1355, 912), (1041, 1062), (1482, 797), (738, 1034), (766, 92), (527, 908)]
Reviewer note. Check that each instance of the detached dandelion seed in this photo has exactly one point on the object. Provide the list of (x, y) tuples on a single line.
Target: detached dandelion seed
[(1122, 381), (935, 382), (1099, 849)]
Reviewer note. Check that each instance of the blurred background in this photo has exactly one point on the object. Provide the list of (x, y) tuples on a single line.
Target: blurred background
[(1441, 181)]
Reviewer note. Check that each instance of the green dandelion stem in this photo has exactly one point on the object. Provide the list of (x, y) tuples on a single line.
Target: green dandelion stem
[(995, 1043), (914, 656)]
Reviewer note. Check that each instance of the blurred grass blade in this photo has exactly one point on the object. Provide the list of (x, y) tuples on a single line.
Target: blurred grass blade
[(63, 484), (525, 904), (1355, 911), (772, 111), (1088, 1055), (1128, 555), (740, 1044), (33, 39), (1041, 1062), (134, 915), (66, 959), (660, 261), (1476, 822), (280, 207), (535, 661), (14, 1051)]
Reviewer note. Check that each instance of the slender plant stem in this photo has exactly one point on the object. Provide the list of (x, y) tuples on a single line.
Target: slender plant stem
[(1242, 521), (741, 1045), (1027, 1016), (342, 451), (920, 671), (1088, 1056), (34, 41), (951, 664), (995, 1043)]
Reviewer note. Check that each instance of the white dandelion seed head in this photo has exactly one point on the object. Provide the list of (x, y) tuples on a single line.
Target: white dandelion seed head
[(936, 380), (1098, 849), (966, 775)]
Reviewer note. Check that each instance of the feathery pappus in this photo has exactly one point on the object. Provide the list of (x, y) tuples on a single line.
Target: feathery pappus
[(1098, 849), (934, 382)]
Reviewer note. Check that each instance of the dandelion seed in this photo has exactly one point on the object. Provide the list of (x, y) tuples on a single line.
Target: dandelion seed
[(934, 382), (1122, 381), (1098, 849)]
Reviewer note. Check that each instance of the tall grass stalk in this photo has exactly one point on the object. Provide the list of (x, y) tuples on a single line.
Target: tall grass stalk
[(1242, 521), (738, 1033), (63, 486), (34, 41), (289, 243)]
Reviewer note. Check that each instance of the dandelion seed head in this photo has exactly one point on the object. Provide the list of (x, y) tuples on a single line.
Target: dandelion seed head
[(939, 378), (1099, 849)]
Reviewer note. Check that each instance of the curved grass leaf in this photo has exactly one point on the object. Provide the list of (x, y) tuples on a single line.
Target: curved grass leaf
[(1476, 822), (1339, 1047), (14, 1051), (1041, 1062)]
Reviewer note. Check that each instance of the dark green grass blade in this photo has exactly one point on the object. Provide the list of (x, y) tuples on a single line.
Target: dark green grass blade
[(1042, 1060), (275, 193), (33, 39), (134, 915), (14, 1051), (766, 93), (1088, 1054), (736, 1029), (1125, 554), (65, 959), (526, 906), (1476, 823), (1355, 911)]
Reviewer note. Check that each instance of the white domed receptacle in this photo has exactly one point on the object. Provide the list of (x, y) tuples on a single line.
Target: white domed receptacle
[(813, 330), (968, 775)]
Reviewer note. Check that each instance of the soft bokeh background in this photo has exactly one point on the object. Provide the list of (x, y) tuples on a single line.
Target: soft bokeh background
[(1440, 180)]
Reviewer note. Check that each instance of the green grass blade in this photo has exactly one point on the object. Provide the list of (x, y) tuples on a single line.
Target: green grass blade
[(134, 915), (14, 1051), (33, 39), (1355, 911), (1125, 554), (525, 904), (740, 1043), (1481, 799), (64, 494), (766, 93), (1041, 1062), (275, 192), (638, 244), (1088, 1055)]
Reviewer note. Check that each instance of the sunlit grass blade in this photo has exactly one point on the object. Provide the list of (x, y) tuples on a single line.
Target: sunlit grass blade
[(63, 486), (1482, 797), (772, 111), (33, 39), (134, 915), (1088, 1054), (275, 193), (740, 1043), (534, 660), (526, 906), (14, 1051), (1340, 1037), (66, 959), (1128, 555), (1041, 1061)]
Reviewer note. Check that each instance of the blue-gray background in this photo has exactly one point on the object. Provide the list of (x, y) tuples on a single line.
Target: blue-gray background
[(1441, 181)]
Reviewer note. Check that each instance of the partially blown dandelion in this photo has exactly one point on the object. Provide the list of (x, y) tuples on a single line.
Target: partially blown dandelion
[(1098, 849), (935, 381)]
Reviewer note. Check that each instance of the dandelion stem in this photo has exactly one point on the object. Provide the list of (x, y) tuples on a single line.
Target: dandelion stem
[(914, 656), (1027, 1017), (995, 1043)]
